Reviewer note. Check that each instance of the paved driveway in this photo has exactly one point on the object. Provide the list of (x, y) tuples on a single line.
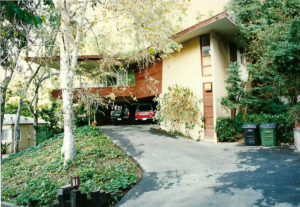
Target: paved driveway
[(182, 172)]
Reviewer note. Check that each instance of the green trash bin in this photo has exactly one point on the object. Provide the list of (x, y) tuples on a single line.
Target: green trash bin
[(267, 134)]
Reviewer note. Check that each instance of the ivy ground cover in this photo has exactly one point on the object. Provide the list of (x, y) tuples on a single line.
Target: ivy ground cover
[(32, 177)]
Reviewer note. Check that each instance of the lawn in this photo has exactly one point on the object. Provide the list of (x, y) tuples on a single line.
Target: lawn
[(34, 175)]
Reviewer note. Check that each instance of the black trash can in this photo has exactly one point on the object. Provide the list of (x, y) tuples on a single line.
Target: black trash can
[(251, 134)]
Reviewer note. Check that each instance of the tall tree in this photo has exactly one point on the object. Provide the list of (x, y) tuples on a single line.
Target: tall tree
[(235, 89), (146, 24), (20, 107), (33, 103), (269, 35), (68, 63), (18, 18)]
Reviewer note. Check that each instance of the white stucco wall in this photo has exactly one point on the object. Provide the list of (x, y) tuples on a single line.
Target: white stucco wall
[(184, 68), (220, 62), (243, 69)]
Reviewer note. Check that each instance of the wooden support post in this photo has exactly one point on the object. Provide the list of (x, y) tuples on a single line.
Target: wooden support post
[(64, 196), (75, 198), (95, 196)]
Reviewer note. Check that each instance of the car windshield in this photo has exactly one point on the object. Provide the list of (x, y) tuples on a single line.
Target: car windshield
[(144, 108)]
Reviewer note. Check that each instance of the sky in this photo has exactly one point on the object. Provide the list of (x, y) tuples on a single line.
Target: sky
[(197, 11), (205, 8)]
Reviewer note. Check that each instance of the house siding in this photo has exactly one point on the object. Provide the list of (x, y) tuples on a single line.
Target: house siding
[(184, 68), (220, 62), (142, 83), (26, 132), (148, 82)]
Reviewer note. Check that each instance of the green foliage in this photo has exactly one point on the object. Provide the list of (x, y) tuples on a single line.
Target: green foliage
[(284, 126), (53, 115), (228, 129), (13, 108), (17, 19), (263, 96), (33, 176), (179, 106), (294, 113), (45, 132), (225, 130), (4, 147), (81, 118), (14, 10), (269, 35), (235, 88)]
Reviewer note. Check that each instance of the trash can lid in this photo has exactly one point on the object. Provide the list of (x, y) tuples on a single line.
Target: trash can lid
[(267, 126), (249, 126)]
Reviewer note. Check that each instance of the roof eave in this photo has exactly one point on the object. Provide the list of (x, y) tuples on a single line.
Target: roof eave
[(206, 26)]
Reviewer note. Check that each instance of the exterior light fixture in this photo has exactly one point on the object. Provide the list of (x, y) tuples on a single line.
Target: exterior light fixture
[(74, 182)]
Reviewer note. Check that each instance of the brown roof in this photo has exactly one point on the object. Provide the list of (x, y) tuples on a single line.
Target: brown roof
[(204, 23), (222, 23)]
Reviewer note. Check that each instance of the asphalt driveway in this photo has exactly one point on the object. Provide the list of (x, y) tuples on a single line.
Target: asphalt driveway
[(182, 172)]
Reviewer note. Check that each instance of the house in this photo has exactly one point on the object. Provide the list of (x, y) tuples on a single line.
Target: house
[(208, 48), (26, 132)]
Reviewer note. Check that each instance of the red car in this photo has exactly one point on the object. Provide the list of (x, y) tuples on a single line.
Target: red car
[(144, 112)]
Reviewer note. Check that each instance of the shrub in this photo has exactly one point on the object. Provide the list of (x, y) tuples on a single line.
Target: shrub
[(13, 108), (234, 87), (4, 147), (294, 113), (45, 132), (53, 115), (179, 107), (284, 126), (228, 129), (225, 129)]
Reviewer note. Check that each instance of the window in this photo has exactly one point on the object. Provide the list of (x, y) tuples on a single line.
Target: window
[(7, 135), (233, 52), (205, 55), (111, 81), (145, 108), (122, 78)]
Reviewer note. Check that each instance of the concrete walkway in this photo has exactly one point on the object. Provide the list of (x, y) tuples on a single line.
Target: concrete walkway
[(182, 172)]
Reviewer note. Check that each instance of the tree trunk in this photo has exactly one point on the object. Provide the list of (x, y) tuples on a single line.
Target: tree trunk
[(68, 64), (20, 107), (249, 88), (66, 83), (17, 127), (2, 109), (233, 113), (35, 119), (4, 86)]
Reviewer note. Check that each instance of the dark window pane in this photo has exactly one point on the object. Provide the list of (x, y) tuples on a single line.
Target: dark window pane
[(144, 108), (206, 50), (111, 81), (233, 52), (205, 40)]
